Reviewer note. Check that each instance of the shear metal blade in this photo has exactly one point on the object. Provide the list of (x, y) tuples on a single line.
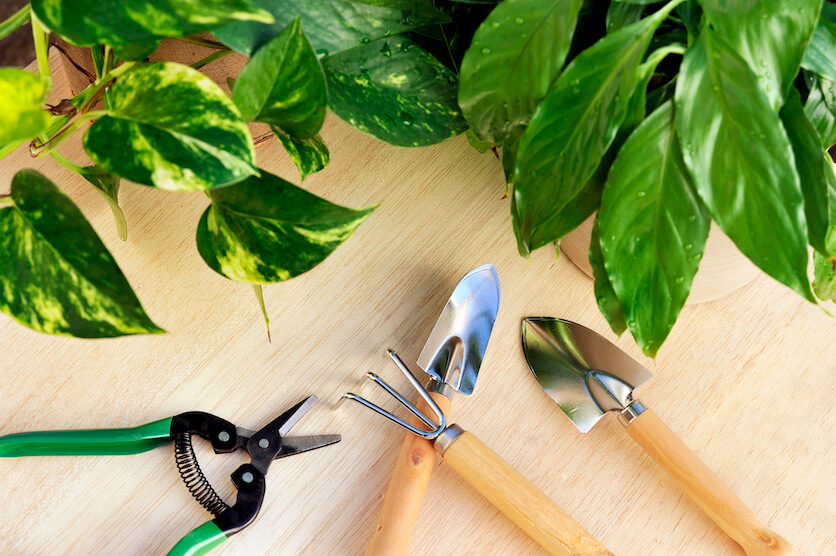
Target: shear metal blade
[(297, 444)]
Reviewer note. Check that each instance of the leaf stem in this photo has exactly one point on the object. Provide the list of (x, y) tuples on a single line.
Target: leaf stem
[(40, 148), (658, 55), (211, 58), (65, 162), (16, 21), (203, 42), (41, 39), (6, 200)]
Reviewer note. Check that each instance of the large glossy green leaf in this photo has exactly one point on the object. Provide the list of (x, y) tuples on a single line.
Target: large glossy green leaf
[(820, 109), (605, 296), (741, 160), (310, 155), (56, 276), (514, 58), (573, 128), (653, 229), (171, 127), (283, 85), (820, 55), (769, 35), (807, 152), (396, 91), (331, 25), (122, 22), (22, 95), (621, 14), (267, 230)]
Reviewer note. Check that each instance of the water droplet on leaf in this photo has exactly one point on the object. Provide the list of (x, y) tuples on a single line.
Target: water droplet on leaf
[(486, 50)]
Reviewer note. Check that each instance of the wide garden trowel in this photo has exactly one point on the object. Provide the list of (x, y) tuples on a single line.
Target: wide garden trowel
[(587, 376)]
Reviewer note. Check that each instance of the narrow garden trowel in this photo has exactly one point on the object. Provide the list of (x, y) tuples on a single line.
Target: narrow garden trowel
[(451, 357), (587, 376)]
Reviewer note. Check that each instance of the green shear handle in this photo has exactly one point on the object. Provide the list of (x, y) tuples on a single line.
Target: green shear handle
[(199, 541), (95, 442)]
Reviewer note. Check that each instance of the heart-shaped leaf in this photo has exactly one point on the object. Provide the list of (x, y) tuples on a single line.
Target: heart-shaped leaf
[(331, 25), (267, 230), (22, 94), (770, 36), (283, 85), (653, 228), (171, 127), (741, 160), (310, 155), (56, 276), (573, 128), (396, 91), (514, 58), (120, 22)]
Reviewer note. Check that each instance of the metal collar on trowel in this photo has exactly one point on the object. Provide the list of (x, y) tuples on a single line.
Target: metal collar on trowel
[(454, 350)]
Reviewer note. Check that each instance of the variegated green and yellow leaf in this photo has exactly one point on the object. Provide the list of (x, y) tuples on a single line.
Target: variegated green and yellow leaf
[(267, 230), (56, 276), (22, 94), (331, 25), (396, 91), (283, 85), (121, 22), (310, 155), (171, 127)]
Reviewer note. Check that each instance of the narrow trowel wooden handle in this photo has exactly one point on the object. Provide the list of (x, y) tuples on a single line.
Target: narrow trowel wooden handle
[(511, 493), (405, 493), (704, 487)]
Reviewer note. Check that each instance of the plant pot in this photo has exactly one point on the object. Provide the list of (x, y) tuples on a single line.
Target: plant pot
[(78, 65), (723, 269)]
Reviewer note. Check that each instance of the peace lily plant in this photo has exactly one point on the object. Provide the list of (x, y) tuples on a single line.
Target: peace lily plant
[(166, 125), (662, 117)]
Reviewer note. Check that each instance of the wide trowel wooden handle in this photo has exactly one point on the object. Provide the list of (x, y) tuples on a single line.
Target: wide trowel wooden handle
[(512, 494), (704, 487), (405, 493)]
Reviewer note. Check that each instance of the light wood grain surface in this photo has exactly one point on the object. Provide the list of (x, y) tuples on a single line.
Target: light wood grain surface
[(747, 381)]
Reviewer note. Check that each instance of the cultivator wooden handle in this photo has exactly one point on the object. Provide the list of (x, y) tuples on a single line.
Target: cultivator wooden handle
[(405, 493)]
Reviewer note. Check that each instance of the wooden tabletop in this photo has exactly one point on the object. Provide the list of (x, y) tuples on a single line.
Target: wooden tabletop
[(748, 381)]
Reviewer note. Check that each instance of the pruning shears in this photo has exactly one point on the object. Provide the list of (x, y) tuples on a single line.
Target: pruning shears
[(263, 446)]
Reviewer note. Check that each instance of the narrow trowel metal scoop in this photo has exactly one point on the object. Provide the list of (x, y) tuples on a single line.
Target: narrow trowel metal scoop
[(452, 357), (588, 376)]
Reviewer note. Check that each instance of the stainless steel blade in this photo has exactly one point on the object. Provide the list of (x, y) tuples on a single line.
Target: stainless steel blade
[(297, 444), (583, 372), (454, 351)]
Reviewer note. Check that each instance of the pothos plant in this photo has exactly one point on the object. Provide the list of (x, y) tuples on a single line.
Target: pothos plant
[(661, 117), (166, 125)]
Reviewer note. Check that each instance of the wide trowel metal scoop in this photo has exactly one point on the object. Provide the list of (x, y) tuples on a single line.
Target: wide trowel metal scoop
[(587, 376), (452, 357)]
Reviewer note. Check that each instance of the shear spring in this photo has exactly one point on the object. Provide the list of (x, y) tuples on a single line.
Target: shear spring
[(193, 476)]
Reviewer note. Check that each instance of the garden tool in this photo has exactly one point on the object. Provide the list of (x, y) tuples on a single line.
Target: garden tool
[(503, 486), (587, 376), (263, 446), (452, 357)]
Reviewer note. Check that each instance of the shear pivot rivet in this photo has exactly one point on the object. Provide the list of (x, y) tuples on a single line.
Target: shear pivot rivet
[(223, 436), (264, 443), (247, 477)]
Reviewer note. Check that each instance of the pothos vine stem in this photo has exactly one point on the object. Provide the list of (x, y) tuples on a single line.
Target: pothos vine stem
[(39, 148)]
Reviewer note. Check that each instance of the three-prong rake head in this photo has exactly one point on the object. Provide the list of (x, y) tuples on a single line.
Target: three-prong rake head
[(435, 429)]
